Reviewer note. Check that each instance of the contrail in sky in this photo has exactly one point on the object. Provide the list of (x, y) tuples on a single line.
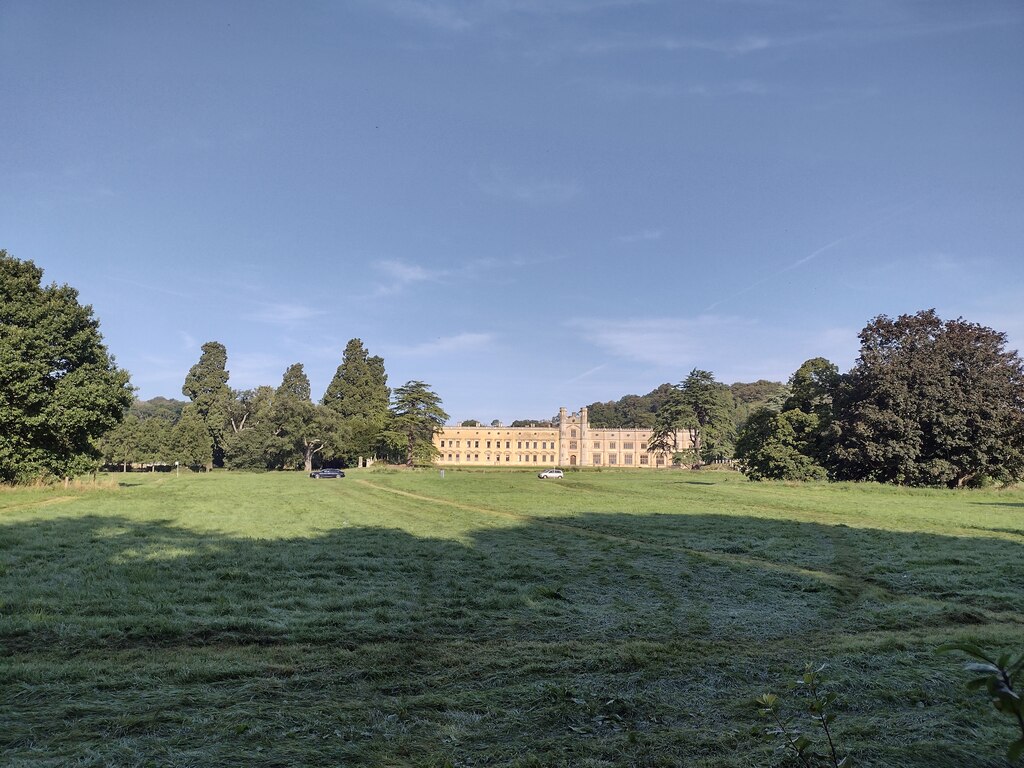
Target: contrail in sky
[(584, 375), (813, 255)]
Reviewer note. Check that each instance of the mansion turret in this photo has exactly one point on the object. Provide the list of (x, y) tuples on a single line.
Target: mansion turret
[(572, 443)]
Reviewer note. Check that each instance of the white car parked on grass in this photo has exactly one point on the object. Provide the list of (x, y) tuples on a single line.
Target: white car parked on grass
[(551, 474)]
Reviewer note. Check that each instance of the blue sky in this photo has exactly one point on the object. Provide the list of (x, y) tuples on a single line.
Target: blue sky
[(524, 203)]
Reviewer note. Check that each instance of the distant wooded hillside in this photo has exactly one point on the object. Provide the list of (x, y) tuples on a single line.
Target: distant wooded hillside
[(641, 410)]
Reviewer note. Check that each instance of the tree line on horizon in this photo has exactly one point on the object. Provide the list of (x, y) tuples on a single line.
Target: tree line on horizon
[(65, 406), (358, 418), (927, 403)]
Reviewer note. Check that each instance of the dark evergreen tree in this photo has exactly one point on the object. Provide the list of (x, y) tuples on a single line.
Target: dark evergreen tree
[(60, 390), (710, 402), (206, 385), (416, 416), (359, 394), (702, 407)]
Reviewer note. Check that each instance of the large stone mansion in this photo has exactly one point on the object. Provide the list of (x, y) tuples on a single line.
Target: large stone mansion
[(573, 443)]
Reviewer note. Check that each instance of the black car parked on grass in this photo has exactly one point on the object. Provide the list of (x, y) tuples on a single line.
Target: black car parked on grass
[(319, 474)]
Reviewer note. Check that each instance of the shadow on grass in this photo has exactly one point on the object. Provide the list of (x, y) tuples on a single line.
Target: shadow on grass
[(610, 640)]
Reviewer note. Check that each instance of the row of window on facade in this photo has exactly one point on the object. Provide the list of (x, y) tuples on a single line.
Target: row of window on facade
[(520, 458), (497, 444), (627, 460), (597, 459), (612, 445), (544, 444)]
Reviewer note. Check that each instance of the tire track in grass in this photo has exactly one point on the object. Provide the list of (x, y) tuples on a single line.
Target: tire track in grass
[(721, 557), (852, 586), (40, 503)]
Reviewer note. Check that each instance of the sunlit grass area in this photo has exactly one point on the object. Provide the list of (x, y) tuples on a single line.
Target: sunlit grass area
[(490, 618)]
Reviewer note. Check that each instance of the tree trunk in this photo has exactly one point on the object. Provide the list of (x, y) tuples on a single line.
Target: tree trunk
[(962, 480)]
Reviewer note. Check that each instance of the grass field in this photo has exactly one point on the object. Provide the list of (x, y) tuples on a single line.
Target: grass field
[(490, 618)]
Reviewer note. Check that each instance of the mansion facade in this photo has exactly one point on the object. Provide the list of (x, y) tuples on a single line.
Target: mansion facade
[(573, 443)]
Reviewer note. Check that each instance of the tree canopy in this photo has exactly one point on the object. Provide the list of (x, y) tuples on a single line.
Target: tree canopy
[(360, 385), (927, 403), (930, 403), (701, 406), (206, 385), (301, 428), (60, 389), (416, 416), (360, 396)]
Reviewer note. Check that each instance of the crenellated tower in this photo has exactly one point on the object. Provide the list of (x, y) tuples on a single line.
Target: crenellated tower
[(572, 430)]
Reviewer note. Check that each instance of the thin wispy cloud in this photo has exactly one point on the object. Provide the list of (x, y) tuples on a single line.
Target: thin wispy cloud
[(284, 313), (400, 275), (857, 28), (741, 45), (445, 345), (249, 370), (404, 272), (656, 341), (768, 278), (735, 348), (618, 88)]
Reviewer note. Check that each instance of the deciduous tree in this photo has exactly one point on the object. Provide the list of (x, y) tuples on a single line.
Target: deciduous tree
[(60, 389), (120, 444), (302, 429), (189, 442), (250, 442), (930, 403), (779, 446), (789, 441)]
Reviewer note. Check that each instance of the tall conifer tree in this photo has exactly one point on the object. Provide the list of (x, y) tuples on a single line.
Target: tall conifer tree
[(206, 385), (359, 394)]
